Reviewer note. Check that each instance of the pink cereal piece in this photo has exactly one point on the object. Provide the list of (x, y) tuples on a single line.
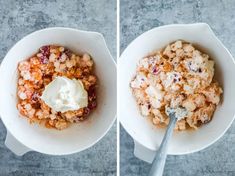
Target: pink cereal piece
[(62, 66), (21, 109), (34, 61), (52, 116), (39, 55), (28, 107), (35, 97), (23, 92), (86, 57), (56, 64), (25, 74), (52, 57), (21, 82), (22, 95), (44, 55), (63, 57), (21, 88), (45, 50), (44, 59), (68, 64), (36, 76), (31, 113), (24, 66), (39, 114), (89, 63)]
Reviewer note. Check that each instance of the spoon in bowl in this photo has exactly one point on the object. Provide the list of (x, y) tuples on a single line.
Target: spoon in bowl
[(158, 163)]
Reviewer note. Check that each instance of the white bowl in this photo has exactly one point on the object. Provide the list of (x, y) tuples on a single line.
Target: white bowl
[(22, 136), (141, 130)]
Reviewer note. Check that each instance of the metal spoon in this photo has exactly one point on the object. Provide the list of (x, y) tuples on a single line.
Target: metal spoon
[(160, 158)]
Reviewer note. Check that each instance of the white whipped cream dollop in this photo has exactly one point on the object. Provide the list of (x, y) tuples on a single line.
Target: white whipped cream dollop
[(64, 94)]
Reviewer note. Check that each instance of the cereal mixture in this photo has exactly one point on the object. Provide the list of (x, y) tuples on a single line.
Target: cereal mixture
[(177, 76), (39, 70)]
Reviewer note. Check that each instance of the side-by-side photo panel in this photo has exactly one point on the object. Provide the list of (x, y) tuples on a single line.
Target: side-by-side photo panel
[(175, 88), (57, 95)]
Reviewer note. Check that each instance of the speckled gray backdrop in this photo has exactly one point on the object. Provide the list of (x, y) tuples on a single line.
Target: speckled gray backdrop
[(140, 16), (19, 18)]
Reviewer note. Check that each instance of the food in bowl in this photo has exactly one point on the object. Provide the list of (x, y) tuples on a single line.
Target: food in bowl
[(56, 87), (177, 76)]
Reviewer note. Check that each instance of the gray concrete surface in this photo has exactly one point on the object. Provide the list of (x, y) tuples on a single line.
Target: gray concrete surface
[(139, 16), (19, 18)]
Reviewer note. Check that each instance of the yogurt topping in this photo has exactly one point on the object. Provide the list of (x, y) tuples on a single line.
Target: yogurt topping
[(64, 94)]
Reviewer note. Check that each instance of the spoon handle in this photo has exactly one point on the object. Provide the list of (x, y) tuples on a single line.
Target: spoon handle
[(160, 158)]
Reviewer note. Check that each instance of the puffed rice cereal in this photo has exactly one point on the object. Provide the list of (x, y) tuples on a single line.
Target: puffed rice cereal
[(177, 76), (39, 70)]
